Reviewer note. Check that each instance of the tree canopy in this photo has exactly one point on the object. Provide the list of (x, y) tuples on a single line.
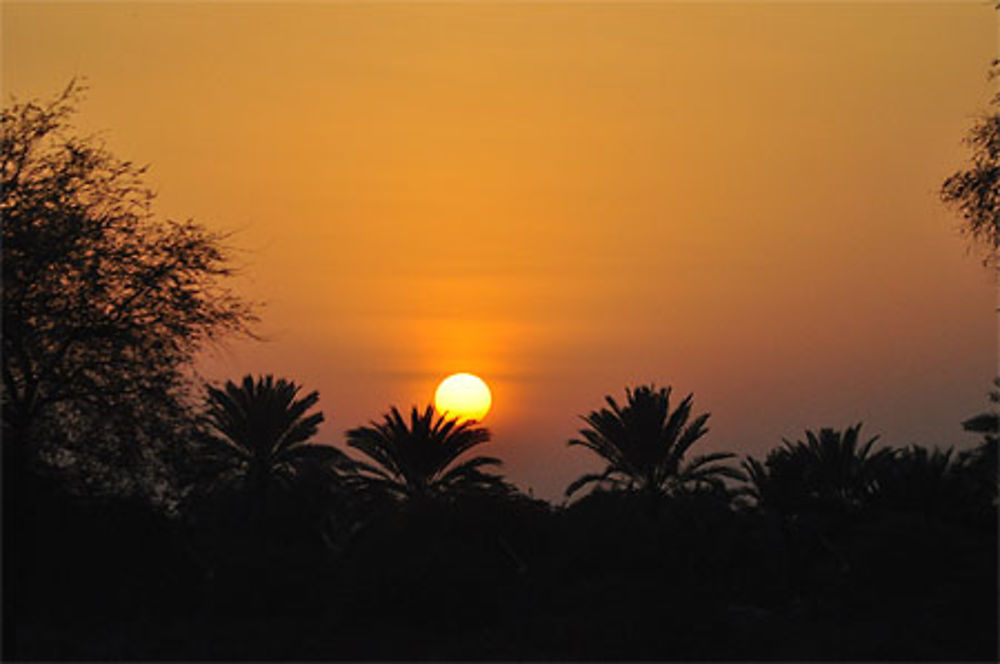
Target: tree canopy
[(265, 429), (104, 303), (417, 459), (974, 192), (644, 443), (833, 469)]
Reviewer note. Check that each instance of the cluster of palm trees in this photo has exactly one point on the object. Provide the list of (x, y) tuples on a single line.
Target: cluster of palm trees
[(264, 429), (404, 543), (832, 468)]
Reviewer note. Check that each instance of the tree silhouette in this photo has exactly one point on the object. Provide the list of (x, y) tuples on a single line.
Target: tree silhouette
[(975, 191), (978, 466), (831, 469), (919, 479), (104, 305), (264, 431), (644, 444), (414, 460), (779, 482), (987, 423)]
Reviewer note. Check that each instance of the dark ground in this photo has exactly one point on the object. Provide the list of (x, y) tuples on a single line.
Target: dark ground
[(503, 579)]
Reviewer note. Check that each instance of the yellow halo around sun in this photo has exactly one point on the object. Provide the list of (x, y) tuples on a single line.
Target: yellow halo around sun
[(464, 396)]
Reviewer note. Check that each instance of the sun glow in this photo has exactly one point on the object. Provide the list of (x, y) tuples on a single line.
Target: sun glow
[(464, 396)]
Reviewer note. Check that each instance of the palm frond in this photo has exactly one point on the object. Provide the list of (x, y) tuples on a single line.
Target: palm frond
[(263, 424), (589, 478), (643, 442), (418, 455)]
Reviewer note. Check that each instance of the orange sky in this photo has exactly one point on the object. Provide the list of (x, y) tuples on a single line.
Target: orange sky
[(736, 200)]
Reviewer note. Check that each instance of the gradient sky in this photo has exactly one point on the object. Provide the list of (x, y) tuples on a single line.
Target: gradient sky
[(738, 200)]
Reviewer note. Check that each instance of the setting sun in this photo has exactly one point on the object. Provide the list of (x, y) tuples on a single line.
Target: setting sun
[(464, 396)]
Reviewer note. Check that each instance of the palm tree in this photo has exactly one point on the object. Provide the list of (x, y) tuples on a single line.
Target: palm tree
[(979, 465), (987, 423), (778, 482), (414, 460), (921, 479), (644, 444), (262, 430), (831, 469)]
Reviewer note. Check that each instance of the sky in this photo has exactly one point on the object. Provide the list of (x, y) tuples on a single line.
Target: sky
[(735, 200)]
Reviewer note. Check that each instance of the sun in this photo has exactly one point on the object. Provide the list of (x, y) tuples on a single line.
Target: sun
[(464, 396)]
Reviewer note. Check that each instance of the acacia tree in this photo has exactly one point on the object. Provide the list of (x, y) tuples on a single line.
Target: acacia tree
[(104, 303), (974, 192)]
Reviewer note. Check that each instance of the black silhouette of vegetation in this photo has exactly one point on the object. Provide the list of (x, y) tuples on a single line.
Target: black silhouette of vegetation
[(264, 431), (414, 461), (831, 470), (974, 192), (149, 517), (644, 444), (104, 304)]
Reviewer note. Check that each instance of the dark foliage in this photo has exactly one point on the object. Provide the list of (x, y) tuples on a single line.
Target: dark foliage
[(829, 471), (104, 304), (644, 444), (974, 192), (261, 431), (496, 575), (415, 460)]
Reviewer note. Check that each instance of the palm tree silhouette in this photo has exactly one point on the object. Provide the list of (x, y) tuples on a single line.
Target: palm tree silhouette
[(414, 460), (920, 479), (978, 466), (262, 429), (831, 469), (777, 483), (644, 444), (987, 423)]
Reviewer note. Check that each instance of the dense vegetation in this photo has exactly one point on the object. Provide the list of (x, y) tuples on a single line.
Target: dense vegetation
[(148, 516)]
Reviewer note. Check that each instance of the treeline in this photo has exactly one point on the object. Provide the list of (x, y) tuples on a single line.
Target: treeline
[(282, 548), (148, 516)]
